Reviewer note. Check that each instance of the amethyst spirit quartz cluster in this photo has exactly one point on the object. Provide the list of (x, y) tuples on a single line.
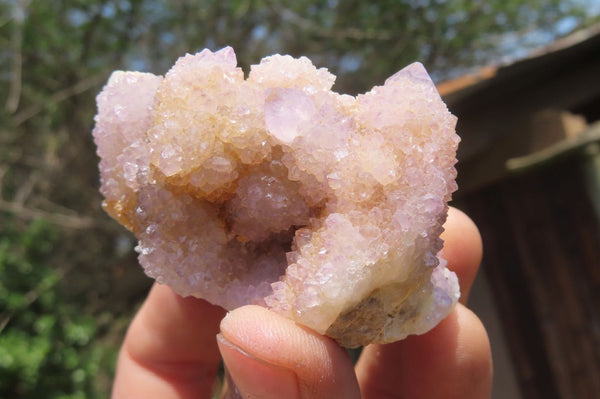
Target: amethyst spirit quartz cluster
[(275, 190)]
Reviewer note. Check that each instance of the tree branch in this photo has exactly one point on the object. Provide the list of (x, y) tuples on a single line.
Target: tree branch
[(60, 219), (2, 173), (339, 34), (26, 188), (88, 36), (34, 294), (16, 83), (61, 95)]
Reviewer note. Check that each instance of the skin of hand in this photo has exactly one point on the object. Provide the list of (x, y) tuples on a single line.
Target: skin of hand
[(170, 350)]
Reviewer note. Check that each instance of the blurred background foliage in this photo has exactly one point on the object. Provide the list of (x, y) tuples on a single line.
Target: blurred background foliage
[(68, 276)]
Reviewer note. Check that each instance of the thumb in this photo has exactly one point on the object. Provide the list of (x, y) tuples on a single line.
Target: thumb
[(268, 356)]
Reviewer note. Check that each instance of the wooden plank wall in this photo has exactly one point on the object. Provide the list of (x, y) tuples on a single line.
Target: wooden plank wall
[(542, 257)]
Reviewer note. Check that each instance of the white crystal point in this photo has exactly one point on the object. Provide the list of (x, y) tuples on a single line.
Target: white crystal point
[(415, 72), (274, 190), (226, 56), (287, 111)]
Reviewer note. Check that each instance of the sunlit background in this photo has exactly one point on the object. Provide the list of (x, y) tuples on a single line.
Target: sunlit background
[(69, 278)]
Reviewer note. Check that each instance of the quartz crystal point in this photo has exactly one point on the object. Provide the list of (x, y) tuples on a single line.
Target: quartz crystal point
[(275, 190)]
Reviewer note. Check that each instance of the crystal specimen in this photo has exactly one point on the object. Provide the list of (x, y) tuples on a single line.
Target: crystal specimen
[(275, 190)]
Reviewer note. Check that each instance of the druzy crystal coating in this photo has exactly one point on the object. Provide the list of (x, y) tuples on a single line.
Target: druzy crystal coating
[(275, 190)]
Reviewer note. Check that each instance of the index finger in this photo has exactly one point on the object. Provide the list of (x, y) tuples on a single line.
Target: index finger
[(453, 360), (170, 350), (463, 249)]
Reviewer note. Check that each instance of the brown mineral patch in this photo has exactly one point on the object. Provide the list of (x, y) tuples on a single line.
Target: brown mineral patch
[(360, 325), (366, 322)]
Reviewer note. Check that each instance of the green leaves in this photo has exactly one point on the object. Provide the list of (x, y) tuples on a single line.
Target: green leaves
[(45, 338)]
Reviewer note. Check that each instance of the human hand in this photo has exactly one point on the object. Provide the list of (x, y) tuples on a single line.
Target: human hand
[(170, 350)]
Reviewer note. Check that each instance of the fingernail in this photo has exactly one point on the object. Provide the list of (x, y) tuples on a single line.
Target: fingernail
[(250, 377), (231, 391)]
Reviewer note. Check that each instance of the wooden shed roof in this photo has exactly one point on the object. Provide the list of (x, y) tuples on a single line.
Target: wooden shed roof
[(491, 77), (496, 106)]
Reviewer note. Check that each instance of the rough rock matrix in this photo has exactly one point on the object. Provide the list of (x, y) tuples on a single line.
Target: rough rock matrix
[(275, 190)]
